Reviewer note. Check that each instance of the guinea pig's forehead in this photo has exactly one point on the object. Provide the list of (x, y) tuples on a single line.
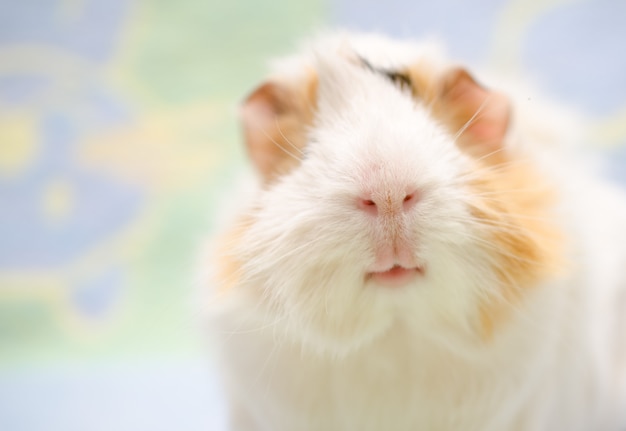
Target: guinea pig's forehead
[(346, 150), (374, 122)]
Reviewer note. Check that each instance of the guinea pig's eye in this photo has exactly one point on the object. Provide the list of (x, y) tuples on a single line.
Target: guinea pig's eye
[(400, 79)]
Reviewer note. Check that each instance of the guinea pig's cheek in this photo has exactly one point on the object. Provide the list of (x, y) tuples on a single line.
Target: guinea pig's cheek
[(334, 333)]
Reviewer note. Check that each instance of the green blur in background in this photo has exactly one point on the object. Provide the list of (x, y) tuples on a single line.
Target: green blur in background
[(118, 141), (117, 125)]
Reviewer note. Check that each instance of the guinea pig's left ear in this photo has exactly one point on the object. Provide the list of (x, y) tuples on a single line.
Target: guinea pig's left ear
[(478, 118)]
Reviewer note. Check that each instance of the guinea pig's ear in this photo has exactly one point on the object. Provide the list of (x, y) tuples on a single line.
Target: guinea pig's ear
[(478, 118), (274, 119)]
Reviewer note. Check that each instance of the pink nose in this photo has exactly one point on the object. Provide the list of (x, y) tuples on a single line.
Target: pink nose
[(377, 203)]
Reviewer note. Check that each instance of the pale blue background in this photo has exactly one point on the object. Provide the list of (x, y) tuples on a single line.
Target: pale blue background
[(114, 347)]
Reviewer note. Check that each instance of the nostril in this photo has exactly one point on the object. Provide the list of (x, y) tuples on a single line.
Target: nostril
[(409, 200), (367, 205), (387, 203)]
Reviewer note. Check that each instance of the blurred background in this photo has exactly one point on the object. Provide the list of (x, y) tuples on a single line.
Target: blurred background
[(117, 134)]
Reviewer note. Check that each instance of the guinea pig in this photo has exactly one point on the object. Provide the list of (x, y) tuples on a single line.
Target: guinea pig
[(422, 249)]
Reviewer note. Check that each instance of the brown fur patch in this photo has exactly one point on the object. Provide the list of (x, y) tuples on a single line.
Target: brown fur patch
[(275, 118), (513, 204)]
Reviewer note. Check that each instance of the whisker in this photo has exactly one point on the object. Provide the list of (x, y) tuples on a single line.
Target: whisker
[(281, 147), (472, 118), (271, 324), (285, 138), (500, 149), (499, 168), (490, 246)]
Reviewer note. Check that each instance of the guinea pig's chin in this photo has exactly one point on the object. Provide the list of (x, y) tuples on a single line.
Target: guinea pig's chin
[(337, 331), (336, 342)]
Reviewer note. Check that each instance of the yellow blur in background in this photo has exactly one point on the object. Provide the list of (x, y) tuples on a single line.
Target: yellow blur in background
[(116, 124), (117, 131)]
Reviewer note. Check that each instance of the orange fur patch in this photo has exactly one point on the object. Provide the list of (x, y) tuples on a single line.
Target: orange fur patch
[(513, 204), (228, 265), (512, 199), (275, 118), (425, 82)]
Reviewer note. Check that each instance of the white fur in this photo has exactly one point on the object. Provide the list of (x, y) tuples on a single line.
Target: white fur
[(305, 345)]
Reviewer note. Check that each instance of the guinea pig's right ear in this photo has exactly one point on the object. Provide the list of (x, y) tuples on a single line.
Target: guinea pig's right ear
[(478, 117), (275, 118)]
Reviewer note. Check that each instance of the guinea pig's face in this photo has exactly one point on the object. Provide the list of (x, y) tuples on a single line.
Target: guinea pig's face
[(372, 213)]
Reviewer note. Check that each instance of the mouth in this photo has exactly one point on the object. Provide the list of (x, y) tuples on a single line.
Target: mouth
[(396, 276)]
